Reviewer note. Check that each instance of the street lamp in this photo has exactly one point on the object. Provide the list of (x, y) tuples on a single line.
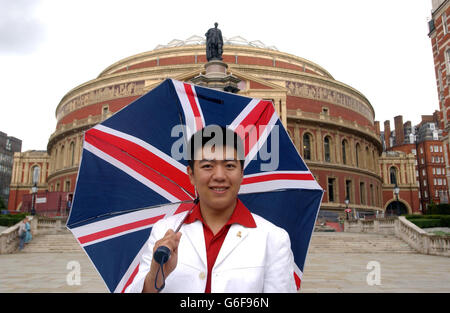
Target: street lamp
[(33, 198), (346, 201), (396, 192)]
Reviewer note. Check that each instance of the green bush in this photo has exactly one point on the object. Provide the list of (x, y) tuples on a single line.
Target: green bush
[(413, 216), (11, 219), (445, 221), (442, 208), (426, 223)]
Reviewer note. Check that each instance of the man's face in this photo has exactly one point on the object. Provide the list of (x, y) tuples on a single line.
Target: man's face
[(217, 177)]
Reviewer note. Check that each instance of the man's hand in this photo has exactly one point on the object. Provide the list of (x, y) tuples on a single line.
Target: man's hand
[(171, 240)]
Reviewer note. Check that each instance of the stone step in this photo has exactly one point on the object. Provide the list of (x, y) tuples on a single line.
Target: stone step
[(340, 242), (51, 243)]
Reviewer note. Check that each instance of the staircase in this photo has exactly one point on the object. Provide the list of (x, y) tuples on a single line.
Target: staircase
[(61, 242), (341, 242), (321, 242)]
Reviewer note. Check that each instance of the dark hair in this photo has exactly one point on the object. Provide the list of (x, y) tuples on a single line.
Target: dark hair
[(215, 135)]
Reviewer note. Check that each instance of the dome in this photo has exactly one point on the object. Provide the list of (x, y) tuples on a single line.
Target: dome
[(201, 40)]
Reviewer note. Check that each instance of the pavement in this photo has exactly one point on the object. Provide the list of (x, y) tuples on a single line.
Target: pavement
[(336, 262)]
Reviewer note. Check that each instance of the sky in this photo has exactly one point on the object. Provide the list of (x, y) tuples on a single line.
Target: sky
[(48, 47)]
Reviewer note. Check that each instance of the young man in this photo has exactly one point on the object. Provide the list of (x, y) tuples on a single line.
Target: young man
[(221, 246)]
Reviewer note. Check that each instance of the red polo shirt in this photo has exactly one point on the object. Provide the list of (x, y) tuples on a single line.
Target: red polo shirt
[(241, 215)]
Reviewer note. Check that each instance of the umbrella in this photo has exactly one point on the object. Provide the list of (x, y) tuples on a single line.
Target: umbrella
[(133, 173)]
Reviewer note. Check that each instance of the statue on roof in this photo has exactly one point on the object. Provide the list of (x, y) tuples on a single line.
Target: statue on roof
[(214, 43)]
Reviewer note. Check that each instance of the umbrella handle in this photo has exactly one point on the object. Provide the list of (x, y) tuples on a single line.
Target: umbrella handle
[(162, 255)]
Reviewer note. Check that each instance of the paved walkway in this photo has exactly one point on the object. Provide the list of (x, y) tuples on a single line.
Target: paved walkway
[(326, 269)]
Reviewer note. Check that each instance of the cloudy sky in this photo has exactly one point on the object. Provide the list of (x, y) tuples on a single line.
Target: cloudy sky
[(49, 47)]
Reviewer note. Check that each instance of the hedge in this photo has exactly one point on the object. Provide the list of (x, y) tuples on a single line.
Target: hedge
[(444, 220), (10, 220), (442, 208), (426, 223)]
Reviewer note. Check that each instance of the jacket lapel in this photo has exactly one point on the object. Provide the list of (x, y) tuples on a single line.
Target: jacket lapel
[(194, 232), (236, 234)]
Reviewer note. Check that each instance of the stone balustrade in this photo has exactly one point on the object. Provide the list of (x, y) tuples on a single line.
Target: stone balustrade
[(9, 238), (413, 235)]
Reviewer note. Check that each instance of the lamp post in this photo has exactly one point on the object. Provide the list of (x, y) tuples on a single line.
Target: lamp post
[(346, 201), (396, 192), (33, 199)]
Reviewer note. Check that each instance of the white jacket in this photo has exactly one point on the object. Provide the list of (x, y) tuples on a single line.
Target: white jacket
[(250, 259)]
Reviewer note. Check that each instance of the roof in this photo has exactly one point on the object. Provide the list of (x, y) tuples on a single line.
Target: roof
[(200, 40)]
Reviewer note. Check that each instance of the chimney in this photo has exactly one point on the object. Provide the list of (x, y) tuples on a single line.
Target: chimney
[(387, 134), (377, 127), (399, 134)]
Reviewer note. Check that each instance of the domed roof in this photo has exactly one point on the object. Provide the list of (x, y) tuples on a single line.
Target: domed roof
[(200, 40)]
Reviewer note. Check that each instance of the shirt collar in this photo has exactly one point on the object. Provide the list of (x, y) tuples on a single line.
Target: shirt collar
[(241, 215)]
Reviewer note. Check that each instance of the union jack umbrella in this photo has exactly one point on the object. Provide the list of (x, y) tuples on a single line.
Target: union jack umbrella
[(133, 173)]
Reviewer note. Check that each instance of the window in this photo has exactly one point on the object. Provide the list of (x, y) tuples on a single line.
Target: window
[(62, 156), (440, 149), (8, 144), (72, 153), (393, 175), (67, 186), (307, 146), (358, 154), (434, 171), (36, 173), (327, 148), (413, 151), (438, 171), (344, 151), (372, 196), (444, 23), (362, 193), (348, 189), (368, 163), (331, 185), (436, 148), (424, 182), (434, 181), (431, 148)]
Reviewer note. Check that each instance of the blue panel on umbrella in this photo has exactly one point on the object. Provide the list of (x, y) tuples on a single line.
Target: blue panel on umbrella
[(148, 115), (113, 257), (119, 191), (297, 219)]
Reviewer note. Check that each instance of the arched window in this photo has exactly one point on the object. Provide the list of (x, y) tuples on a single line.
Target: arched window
[(62, 156), (358, 155), (344, 151), (393, 175), (307, 146), (36, 174), (327, 148), (72, 153), (368, 159)]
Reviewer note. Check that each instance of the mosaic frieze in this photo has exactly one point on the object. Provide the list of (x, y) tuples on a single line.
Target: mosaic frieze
[(102, 94), (328, 95)]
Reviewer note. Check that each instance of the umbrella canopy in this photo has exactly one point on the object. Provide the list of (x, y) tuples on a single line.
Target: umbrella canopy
[(133, 173)]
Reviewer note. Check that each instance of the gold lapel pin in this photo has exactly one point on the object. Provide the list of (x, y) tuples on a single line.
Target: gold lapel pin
[(239, 234)]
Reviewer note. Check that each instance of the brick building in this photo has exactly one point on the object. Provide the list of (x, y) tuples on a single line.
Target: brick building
[(30, 167), (331, 124), (424, 143), (439, 36)]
